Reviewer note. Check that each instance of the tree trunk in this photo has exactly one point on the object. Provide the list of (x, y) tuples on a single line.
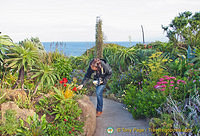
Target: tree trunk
[(22, 78), (36, 87), (18, 80)]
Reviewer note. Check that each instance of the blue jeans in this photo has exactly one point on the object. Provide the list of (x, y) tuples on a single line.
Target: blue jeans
[(99, 94)]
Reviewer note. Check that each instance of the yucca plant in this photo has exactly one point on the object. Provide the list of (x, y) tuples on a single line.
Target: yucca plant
[(44, 74), (4, 42), (125, 57), (21, 58)]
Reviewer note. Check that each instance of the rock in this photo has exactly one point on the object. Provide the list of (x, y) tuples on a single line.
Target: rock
[(15, 94), (20, 113), (88, 115)]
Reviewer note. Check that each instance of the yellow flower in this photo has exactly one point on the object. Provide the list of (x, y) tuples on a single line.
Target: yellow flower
[(153, 56), (159, 53), (164, 60), (68, 93)]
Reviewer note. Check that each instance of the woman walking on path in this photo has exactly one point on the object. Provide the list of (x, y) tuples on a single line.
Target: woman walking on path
[(102, 72)]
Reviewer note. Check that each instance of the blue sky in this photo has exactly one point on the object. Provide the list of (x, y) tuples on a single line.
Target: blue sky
[(74, 20)]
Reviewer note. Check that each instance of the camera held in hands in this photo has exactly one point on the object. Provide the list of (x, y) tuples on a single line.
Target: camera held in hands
[(97, 82)]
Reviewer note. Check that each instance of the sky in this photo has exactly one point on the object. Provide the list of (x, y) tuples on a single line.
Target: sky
[(75, 20)]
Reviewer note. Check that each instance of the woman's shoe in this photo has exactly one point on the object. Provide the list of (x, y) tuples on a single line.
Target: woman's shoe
[(98, 113)]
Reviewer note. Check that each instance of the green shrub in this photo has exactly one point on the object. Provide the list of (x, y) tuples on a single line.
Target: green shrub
[(65, 114), (143, 103), (35, 126), (159, 126), (10, 125), (63, 67)]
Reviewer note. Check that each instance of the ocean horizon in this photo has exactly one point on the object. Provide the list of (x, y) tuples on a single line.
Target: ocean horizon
[(74, 48)]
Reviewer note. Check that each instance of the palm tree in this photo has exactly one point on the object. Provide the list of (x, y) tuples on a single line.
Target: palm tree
[(44, 74), (4, 42), (22, 57)]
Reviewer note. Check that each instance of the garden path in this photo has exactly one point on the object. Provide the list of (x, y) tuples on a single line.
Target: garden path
[(116, 116)]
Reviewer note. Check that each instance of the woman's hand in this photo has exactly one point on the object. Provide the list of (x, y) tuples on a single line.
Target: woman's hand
[(80, 87)]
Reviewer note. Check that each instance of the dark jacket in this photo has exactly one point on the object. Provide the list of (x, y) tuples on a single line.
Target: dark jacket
[(107, 73)]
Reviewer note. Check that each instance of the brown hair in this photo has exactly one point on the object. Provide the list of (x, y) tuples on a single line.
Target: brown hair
[(96, 62)]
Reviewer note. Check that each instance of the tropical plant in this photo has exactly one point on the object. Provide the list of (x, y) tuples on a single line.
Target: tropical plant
[(44, 74), (5, 41), (125, 57), (21, 58)]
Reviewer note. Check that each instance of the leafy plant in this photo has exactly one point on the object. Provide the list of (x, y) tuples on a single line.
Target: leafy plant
[(156, 65), (162, 125), (35, 126), (24, 102), (21, 58), (44, 74), (10, 125), (63, 67), (145, 101)]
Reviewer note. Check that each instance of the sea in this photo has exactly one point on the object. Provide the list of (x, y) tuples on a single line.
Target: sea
[(77, 48)]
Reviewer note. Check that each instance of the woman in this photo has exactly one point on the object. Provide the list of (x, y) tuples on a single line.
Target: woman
[(102, 72)]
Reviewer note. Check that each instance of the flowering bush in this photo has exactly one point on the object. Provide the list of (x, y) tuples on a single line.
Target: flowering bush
[(142, 103), (171, 86), (156, 64), (65, 90), (62, 109)]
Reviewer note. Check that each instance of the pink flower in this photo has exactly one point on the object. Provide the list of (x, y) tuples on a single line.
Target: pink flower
[(162, 79), (172, 78), (171, 82), (171, 85), (176, 88), (163, 86), (165, 76), (158, 83), (164, 82), (156, 86), (168, 78), (162, 89)]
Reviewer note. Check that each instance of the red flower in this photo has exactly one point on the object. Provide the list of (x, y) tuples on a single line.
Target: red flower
[(70, 132), (65, 85), (65, 119), (61, 82), (65, 80), (55, 85), (73, 129), (74, 89)]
